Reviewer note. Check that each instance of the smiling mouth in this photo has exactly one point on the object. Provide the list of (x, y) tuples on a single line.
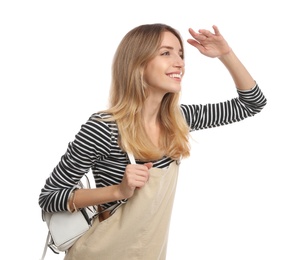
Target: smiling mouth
[(177, 76)]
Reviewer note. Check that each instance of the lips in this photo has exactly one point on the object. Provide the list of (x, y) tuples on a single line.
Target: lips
[(175, 75)]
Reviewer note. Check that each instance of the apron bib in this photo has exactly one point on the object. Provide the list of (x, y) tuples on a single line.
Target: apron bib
[(138, 229)]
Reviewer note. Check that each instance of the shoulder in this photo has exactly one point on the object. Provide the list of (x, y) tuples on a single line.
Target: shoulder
[(102, 122), (99, 116)]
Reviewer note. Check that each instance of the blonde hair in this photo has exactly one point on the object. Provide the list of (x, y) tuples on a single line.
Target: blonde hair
[(129, 92)]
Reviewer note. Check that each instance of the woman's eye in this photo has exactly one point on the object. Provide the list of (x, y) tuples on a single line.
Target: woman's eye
[(165, 53)]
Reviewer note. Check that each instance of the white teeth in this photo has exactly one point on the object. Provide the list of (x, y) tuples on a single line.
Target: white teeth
[(175, 75)]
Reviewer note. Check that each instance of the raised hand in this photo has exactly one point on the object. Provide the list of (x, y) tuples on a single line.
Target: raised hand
[(209, 44)]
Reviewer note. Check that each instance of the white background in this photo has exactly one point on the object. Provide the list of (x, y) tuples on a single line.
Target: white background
[(234, 193)]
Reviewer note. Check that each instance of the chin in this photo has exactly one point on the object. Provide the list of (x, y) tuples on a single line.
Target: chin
[(177, 89)]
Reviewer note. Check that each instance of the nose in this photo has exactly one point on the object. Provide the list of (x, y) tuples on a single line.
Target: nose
[(179, 62)]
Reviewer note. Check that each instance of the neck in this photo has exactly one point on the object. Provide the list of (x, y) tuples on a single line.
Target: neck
[(150, 111)]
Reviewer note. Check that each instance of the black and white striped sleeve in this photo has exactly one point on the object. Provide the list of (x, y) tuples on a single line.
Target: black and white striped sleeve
[(247, 104), (92, 142)]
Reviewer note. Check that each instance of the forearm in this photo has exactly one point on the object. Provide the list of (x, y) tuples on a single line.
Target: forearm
[(241, 77), (89, 197)]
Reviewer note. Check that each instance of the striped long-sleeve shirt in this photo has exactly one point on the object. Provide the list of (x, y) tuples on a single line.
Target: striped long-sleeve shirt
[(96, 148)]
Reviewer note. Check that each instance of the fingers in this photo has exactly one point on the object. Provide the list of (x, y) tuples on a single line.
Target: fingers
[(216, 30), (198, 37), (209, 44), (203, 34), (137, 175), (148, 165)]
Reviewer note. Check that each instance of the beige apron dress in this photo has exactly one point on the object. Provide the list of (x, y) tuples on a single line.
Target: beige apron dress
[(138, 229)]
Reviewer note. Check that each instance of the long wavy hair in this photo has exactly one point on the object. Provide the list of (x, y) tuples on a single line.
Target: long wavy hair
[(129, 91)]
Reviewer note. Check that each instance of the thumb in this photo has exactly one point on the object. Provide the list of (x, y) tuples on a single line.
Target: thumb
[(148, 165)]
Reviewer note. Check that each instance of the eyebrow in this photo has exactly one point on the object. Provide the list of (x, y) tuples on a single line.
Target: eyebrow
[(169, 48)]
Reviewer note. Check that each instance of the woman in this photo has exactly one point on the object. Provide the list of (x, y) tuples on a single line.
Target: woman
[(144, 119)]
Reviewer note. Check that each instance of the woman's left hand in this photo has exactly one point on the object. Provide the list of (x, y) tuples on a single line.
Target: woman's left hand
[(209, 44)]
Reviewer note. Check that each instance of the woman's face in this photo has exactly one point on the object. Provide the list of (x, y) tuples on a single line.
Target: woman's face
[(164, 72)]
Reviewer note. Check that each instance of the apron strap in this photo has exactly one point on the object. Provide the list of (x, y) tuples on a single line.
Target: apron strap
[(131, 158)]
